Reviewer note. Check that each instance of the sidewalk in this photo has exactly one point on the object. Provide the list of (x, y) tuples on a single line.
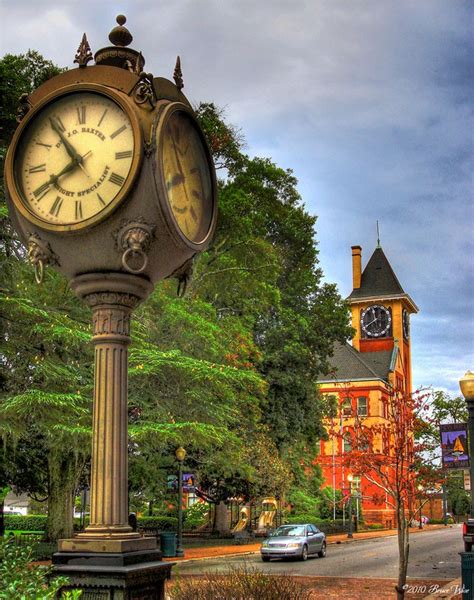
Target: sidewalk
[(203, 553)]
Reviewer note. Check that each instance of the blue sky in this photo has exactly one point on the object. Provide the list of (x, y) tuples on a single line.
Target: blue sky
[(368, 101)]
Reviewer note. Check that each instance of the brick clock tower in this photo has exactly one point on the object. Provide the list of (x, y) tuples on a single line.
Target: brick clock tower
[(380, 309), (363, 376)]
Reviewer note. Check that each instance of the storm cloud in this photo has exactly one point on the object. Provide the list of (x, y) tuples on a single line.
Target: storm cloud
[(368, 101)]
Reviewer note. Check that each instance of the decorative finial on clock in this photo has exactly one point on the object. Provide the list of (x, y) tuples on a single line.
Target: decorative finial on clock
[(178, 74), (120, 35), (119, 55), (378, 236), (84, 53)]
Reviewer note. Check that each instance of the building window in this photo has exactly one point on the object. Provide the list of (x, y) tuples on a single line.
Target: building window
[(364, 443), (362, 406), (347, 442), (347, 407)]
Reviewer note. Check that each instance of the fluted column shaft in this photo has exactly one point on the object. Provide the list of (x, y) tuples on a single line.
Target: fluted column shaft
[(112, 297), (109, 476), (109, 465)]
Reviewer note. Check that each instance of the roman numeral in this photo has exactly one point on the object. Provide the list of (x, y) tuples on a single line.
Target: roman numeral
[(37, 169), (117, 179), (41, 191), (196, 194), (124, 154), (102, 117), (59, 123), (118, 132), (81, 114), (193, 214), (48, 146), (56, 207), (100, 200), (78, 209)]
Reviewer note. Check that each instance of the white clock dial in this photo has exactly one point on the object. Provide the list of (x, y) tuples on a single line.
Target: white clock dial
[(74, 159)]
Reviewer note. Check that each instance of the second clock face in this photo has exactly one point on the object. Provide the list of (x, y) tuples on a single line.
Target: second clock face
[(376, 321), (74, 159), (187, 178), (406, 324)]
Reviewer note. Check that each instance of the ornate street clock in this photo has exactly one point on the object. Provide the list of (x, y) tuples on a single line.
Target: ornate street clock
[(110, 159), (376, 321), (109, 180)]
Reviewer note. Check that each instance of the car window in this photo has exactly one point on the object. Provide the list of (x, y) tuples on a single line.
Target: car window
[(289, 530), (314, 529)]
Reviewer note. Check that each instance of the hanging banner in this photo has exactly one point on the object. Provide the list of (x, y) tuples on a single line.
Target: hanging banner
[(454, 448)]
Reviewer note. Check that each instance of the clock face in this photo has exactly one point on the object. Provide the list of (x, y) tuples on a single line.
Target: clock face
[(376, 321), (186, 173), (75, 160), (406, 324)]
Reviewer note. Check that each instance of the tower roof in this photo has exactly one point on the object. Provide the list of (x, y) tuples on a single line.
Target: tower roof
[(348, 364), (378, 280)]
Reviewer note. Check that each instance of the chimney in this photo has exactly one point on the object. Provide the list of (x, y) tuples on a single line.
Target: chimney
[(356, 266)]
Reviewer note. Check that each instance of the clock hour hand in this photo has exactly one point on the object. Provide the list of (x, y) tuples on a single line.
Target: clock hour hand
[(53, 179)]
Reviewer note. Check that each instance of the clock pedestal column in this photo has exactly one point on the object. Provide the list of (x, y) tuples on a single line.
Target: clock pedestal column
[(109, 549)]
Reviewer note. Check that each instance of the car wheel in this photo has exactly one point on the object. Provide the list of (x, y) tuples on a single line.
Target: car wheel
[(266, 558), (304, 553), (467, 546), (322, 552)]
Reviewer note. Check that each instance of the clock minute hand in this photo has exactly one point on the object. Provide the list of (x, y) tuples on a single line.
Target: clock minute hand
[(67, 144)]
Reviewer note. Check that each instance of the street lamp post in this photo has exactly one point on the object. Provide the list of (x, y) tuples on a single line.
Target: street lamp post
[(420, 524), (466, 384), (349, 479), (180, 456)]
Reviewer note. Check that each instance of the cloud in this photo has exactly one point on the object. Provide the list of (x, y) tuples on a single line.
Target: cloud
[(369, 102)]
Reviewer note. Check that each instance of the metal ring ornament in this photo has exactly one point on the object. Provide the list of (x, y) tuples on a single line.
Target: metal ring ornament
[(137, 252), (39, 271)]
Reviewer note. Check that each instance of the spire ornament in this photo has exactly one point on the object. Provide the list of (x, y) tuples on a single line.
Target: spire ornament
[(178, 74), (84, 53), (119, 55)]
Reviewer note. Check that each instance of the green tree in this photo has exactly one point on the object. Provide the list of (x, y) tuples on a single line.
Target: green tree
[(46, 379), (263, 267)]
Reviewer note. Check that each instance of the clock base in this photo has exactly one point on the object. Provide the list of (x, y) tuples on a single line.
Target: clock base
[(109, 544), (114, 576)]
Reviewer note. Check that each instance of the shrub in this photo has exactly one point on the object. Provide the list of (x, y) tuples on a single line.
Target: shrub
[(26, 522), (303, 503), (441, 521), (239, 583), (374, 526), (336, 526), (159, 523), (20, 580), (196, 515)]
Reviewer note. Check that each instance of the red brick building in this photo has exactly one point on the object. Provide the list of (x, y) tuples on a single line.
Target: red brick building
[(365, 374)]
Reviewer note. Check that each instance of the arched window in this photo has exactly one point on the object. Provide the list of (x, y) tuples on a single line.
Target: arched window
[(347, 407), (362, 406), (347, 442)]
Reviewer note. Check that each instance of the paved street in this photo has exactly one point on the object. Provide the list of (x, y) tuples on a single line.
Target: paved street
[(433, 555)]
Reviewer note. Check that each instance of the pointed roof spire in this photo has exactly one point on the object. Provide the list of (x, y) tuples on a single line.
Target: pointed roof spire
[(378, 236), (379, 281)]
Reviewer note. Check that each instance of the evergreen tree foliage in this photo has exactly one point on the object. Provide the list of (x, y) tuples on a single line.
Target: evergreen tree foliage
[(229, 371)]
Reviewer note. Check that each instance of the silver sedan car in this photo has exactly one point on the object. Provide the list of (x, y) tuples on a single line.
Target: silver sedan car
[(298, 541)]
